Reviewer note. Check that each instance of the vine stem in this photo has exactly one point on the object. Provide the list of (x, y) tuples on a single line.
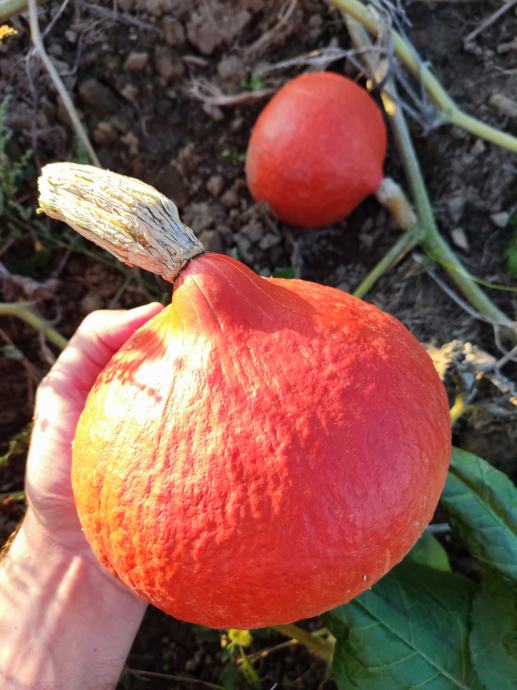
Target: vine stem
[(22, 311), (39, 49), (402, 246), (431, 240), (450, 111), (318, 646)]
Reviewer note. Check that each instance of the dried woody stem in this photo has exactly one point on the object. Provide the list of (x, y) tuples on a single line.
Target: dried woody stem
[(128, 218)]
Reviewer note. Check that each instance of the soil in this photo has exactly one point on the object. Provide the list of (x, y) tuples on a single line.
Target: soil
[(149, 80)]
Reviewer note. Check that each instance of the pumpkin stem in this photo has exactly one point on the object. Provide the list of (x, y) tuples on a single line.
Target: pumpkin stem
[(128, 218)]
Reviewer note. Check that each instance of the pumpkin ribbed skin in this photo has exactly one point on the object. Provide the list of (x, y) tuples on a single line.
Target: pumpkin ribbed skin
[(261, 451), (317, 150)]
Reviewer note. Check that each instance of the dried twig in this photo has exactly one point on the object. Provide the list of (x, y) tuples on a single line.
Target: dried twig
[(209, 93), (39, 49), (316, 59), (489, 21), (122, 18), (269, 35)]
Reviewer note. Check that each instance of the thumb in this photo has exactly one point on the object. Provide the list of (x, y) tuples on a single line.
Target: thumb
[(95, 342)]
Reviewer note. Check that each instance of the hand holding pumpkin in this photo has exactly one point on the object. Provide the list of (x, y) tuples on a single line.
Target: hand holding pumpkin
[(60, 400), (64, 621)]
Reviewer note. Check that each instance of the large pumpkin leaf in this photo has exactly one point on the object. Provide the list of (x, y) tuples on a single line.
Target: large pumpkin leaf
[(409, 631), (493, 638), (481, 504)]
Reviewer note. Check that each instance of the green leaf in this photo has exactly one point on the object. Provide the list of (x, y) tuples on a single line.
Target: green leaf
[(481, 504), (409, 631), (429, 551), (493, 638)]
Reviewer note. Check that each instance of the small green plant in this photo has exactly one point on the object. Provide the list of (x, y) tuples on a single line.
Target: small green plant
[(253, 83), (238, 666)]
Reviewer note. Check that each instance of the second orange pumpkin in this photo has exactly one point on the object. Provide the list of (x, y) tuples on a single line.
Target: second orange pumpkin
[(317, 150)]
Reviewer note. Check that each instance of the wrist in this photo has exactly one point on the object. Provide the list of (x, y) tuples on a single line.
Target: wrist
[(64, 617)]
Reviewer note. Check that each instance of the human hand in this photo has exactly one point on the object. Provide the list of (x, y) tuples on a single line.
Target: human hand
[(60, 400), (65, 622)]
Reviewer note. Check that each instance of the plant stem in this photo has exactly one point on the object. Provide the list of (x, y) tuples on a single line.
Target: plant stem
[(432, 241), (15, 496), (23, 311), (459, 408), (8, 8), (449, 110), (318, 646), (39, 48), (402, 246)]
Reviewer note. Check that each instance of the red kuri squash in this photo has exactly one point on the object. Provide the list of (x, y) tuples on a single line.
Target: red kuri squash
[(263, 449), (317, 150)]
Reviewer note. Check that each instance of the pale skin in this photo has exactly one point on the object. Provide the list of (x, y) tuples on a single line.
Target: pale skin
[(64, 621)]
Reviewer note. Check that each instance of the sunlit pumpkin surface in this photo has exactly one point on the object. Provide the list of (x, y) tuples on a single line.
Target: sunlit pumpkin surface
[(261, 451), (317, 150)]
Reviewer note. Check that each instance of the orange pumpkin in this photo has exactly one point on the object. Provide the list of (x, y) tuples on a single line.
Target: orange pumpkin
[(260, 451), (317, 150)]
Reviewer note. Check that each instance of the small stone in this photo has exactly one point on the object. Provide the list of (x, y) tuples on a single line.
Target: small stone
[(242, 243), (211, 241), (236, 124), (167, 64), (253, 231), (135, 61), (506, 106), (129, 92), (91, 302), (230, 198), (131, 141), (61, 66), (159, 7), (71, 36), (507, 47), (215, 185), (455, 206), (478, 148), (55, 49), (269, 241), (460, 238), (230, 67), (174, 32), (97, 96), (500, 219), (104, 133)]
